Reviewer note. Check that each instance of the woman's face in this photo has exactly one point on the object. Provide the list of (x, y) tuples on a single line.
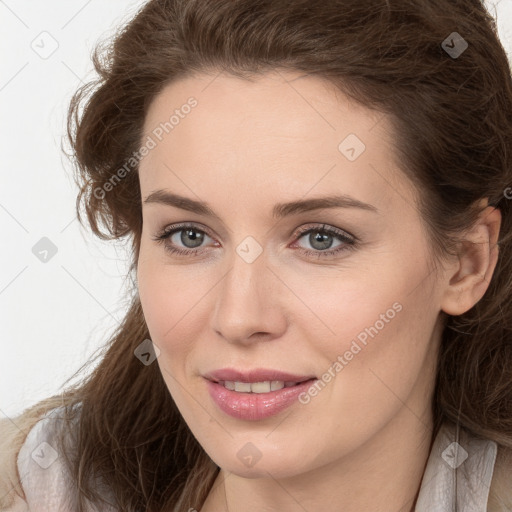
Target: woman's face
[(345, 293)]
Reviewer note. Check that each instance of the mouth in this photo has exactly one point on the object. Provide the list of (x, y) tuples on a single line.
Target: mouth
[(260, 387), (259, 399), (258, 380)]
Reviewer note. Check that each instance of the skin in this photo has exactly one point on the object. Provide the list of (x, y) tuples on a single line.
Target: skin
[(362, 443)]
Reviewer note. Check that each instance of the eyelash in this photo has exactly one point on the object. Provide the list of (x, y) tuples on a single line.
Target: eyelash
[(349, 241)]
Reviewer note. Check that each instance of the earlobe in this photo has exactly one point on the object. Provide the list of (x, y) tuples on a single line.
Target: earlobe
[(477, 260)]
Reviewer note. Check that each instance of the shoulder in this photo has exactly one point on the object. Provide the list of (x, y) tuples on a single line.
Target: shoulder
[(31, 467), (500, 493), (14, 432)]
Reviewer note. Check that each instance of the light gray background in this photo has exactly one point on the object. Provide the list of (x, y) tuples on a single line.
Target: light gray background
[(55, 315)]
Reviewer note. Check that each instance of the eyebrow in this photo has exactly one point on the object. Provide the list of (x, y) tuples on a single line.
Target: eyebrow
[(280, 210)]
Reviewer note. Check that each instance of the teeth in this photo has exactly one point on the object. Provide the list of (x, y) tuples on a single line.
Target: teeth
[(244, 387), (257, 387)]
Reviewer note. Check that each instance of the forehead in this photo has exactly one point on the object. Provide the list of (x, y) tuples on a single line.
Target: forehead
[(278, 103), (283, 129)]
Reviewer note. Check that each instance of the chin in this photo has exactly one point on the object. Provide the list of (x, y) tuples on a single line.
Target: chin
[(269, 463)]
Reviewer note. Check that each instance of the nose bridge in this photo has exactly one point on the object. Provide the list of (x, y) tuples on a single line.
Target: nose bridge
[(246, 302)]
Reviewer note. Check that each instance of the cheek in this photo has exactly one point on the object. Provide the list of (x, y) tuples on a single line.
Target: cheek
[(381, 352), (165, 305), (162, 291), (372, 329), (385, 312), (391, 367), (175, 306), (174, 302)]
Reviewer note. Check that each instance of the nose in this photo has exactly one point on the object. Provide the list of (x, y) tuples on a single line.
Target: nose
[(248, 306)]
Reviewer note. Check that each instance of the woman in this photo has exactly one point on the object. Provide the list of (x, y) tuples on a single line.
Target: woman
[(318, 200)]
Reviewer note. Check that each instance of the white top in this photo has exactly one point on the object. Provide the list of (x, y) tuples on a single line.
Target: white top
[(457, 476)]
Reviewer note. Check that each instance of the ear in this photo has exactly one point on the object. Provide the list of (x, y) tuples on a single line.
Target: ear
[(471, 274)]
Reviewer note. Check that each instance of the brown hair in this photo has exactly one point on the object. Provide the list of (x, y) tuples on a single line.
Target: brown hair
[(452, 117)]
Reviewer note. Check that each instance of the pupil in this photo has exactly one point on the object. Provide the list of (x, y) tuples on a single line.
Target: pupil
[(325, 240), (192, 235)]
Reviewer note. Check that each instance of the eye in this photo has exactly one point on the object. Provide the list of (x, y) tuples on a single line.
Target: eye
[(187, 239), (187, 234), (320, 238)]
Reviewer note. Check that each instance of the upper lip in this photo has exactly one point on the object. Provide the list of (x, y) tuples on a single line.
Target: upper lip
[(254, 375)]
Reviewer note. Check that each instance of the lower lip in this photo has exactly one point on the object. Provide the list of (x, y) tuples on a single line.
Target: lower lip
[(255, 406)]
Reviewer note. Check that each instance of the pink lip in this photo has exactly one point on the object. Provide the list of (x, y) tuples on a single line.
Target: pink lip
[(255, 375), (255, 406)]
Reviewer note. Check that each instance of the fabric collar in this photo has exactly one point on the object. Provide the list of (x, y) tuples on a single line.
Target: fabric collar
[(458, 474)]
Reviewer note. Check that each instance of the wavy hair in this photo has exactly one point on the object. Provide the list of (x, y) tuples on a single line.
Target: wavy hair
[(452, 118)]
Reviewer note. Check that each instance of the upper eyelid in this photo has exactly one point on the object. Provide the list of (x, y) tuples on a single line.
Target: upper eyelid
[(322, 226)]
